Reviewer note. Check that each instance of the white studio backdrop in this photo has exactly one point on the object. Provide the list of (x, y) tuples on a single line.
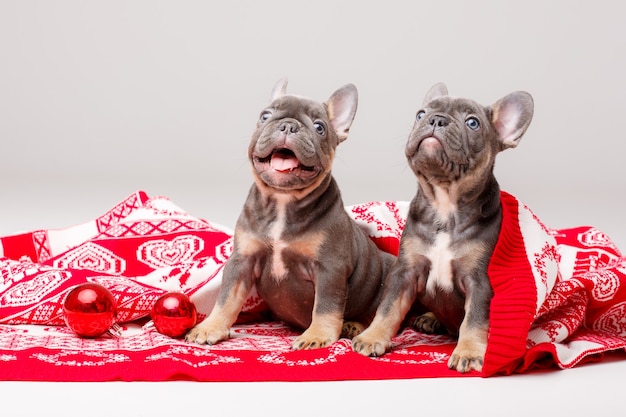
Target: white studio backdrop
[(99, 99)]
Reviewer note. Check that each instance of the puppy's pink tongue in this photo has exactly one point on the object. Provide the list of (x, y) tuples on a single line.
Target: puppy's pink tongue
[(282, 163)]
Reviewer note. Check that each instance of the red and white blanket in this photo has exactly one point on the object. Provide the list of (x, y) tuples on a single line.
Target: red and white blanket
[(560, 299)]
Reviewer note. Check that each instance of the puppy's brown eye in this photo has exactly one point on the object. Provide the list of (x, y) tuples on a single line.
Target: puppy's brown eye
[(419, 115), (264, 116), (472, 123), (319, 128)]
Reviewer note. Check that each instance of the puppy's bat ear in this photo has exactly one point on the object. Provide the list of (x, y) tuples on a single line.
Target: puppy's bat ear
[(341, 108), (435, 91), (280, 89), (511, 116)]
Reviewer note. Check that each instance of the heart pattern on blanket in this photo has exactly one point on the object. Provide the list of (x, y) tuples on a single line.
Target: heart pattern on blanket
[(613, 321), (91, 256), (29, 291), (163, 253)]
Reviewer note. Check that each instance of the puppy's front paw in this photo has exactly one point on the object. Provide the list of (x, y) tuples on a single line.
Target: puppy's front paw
[(370, 343), (312, 340), (467, 356), (465, 362), (204, 334)]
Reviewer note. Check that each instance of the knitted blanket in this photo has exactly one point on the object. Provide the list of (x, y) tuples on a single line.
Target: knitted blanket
[(559, 299)]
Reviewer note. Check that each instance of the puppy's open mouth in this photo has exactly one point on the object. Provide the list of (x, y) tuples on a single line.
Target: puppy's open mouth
[(283, 160)]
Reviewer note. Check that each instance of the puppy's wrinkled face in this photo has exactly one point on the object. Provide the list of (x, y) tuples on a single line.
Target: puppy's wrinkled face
[(450, 138), (293, 144), (454, 138)]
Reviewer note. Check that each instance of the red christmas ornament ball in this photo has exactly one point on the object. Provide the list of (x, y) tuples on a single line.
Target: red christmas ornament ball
[(173, 314), (89, 309)]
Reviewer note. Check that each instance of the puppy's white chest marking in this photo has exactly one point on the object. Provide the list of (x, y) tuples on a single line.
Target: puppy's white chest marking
[(279, 270), (443, 203), (440, 256)]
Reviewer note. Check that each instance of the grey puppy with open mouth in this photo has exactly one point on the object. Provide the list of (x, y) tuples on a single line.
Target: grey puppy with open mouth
[(294, 241)]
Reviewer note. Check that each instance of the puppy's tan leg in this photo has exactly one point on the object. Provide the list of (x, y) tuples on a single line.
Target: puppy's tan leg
[(216, 327), (376, 339), (323, 331), (400, 291), (469, 353)]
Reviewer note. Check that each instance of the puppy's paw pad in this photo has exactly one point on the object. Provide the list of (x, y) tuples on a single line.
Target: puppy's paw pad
[(351, 329), (428, 323)]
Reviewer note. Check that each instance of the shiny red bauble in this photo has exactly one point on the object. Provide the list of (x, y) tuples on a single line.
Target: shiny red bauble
[(89, 309), (173, 314)]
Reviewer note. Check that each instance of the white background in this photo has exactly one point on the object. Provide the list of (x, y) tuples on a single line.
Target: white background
[(100, 99)]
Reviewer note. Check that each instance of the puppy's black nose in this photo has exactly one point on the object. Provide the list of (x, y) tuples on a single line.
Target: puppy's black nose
[(289, 127), (438, 121)]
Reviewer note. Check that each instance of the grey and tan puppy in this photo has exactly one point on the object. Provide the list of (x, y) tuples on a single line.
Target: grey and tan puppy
[(453, 223), (310, 262)]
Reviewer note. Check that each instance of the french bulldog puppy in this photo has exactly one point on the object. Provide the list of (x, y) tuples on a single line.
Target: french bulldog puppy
[(453, 223), (310, 262)]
